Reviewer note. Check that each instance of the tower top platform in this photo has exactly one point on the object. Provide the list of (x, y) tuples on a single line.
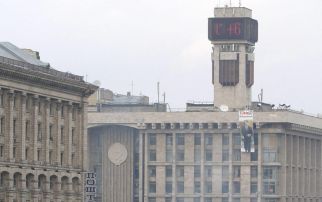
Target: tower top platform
[(230, 12)]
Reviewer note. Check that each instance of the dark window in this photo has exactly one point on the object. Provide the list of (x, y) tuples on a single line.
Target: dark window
[(208, 171), (180, 154), (180, 139), (249, 72), (236, 155), (169, 140), (225, 187), (225, 140), (169, 155), (168, 187), (225, 155), (208, 155), (197, 139), (152, 187), (229, 72), (152, 155), (152, 139), (197, 187), (180, 187), (253, 171), (197, 171), (2, 125), (208, 187), (152, 171), (253, 187), (208, 139), (180, 171), (168, 171), (236, 170), (236, 186)]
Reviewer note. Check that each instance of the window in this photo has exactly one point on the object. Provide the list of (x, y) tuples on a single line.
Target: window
[(269, 155), (225, 172), (14, 128), (208, 187), (270, 173), (2, 125), (224, 199), (180, 171), (152, 171), (225, 187), (152, 139), (61, 158), (73, 136), (180, 154), (236, 186), (236, 171), (196, 171), (229, 72), (208, 139), (269, 187), (208, 199), (180, 187), (208, 171), (1, 99), (39, 136), (51, 109), (74, 113), (169, 155), (152, 187), (50, 156), (152, 155), (51, 133), (27, 126), (169, 140), (62, 135), (26, 153), (152, 199), (236, 154), (38, 155), (168, 171), (196, 199), (253, 199), (62, 111), (197, 154), (180, 139), (1, 151), (197, 139), (236, 199), (168, 199), (179, 199), (225, 155), (225, 140), (208, 155), (253, 171), (237, 139), (39, 107), (197, 187), (15, 101), (253, 187), (14, 152), (254, 155), (168, 187)]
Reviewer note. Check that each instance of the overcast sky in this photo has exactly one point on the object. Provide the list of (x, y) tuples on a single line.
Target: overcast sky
[(146, 41)]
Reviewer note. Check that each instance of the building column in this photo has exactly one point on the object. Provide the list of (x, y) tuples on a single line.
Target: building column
[(35, 128), (58, 138), (141, 166), (146, 172), (10, 125), (69, 134), (83, 134), (202, 166), (259, 170), (46, 135), (231, 144), (23, 127)]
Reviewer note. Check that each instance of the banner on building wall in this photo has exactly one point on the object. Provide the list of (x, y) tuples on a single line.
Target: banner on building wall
[(90, 186), (246, 118)]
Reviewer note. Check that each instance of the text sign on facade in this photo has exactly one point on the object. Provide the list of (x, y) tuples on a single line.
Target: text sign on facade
[(246, 118), (226, 29), (90, 186)]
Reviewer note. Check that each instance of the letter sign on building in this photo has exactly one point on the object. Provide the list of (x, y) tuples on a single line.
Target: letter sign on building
[(246, 130), (90, 186), (230, 29)]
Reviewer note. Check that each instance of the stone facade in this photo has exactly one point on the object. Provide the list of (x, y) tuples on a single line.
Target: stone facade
[(196, 156), (43, 133)]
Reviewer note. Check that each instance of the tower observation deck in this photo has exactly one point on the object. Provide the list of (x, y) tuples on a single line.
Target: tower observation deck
[(233, 34)]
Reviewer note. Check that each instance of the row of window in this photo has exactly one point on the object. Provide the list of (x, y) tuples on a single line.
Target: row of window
[(52, 107), (39, 129), (206, 199)]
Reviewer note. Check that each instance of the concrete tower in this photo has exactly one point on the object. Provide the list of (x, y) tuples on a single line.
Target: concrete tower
[(233, 34)]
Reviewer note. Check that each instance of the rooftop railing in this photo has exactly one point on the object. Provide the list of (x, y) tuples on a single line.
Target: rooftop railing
[(43, 69)]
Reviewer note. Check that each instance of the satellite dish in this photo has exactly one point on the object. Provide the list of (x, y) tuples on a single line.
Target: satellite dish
[(224, 108), (97, 83)]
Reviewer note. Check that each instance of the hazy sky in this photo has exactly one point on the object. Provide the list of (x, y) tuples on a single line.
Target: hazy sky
[(146, 41)]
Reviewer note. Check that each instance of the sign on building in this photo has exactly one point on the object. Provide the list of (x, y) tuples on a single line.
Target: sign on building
[(90, 186), (246, 118)]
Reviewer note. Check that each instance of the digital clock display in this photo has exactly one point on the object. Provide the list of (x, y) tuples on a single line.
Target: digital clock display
[(226, 29)]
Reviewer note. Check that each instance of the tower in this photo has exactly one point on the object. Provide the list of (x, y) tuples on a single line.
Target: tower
[(233, 34)]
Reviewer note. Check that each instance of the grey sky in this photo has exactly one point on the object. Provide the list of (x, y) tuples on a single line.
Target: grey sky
[(145, 41)]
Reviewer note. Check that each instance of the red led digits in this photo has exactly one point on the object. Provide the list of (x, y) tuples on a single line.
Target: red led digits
[(218, 29), (233, 29)]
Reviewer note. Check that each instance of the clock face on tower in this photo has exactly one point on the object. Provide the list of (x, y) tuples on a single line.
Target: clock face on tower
[(228, 29)]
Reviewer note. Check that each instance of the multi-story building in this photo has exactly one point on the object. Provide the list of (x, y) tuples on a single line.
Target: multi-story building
[(43, 135), (201, 155)]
